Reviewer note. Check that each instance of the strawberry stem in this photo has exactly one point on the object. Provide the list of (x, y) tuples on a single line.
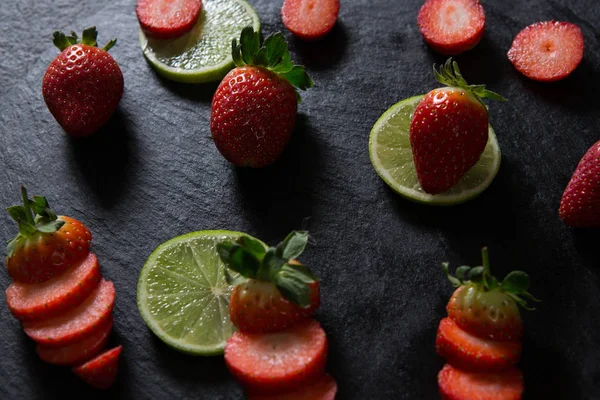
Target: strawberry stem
[(28, 215), (486, 265)]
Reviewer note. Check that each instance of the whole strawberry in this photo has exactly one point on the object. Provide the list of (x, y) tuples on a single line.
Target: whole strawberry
[(254, 107), (449, 130), (580, 204), (82, 87)]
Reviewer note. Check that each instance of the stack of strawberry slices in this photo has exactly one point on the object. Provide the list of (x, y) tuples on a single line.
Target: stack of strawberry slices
[(58, 292), (480, 338), (279, 352)]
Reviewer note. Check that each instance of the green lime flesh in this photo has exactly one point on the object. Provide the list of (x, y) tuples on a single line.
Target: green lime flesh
[(204, 53), (183, 296), (392, 158)]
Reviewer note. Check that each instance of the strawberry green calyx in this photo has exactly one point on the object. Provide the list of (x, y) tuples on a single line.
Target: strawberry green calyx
[(88, 38), (515, 284), (277, 265), (273, 55)]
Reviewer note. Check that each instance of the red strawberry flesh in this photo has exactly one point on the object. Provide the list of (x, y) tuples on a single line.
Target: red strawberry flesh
[(324, 388), (455, 384), (100, 372), (167, 19), (310, 19)]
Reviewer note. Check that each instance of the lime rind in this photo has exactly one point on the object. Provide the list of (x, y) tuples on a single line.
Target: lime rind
[(391, 156)]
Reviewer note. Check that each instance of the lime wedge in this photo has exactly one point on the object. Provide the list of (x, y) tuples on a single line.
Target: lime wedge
[(391, 155), (183, 295), (204, 53)]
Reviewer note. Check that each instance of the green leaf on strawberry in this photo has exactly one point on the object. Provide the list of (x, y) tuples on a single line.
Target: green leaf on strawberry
[(89, 38)]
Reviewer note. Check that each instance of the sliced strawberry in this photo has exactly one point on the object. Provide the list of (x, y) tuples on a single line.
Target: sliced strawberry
[(455, 384), (451, 26), (324, 388), (167, 19), (277, 362), (80, 351), (547, 51), (30, 302), (77, 323), (470, 353), (310, 19), (100, 372)]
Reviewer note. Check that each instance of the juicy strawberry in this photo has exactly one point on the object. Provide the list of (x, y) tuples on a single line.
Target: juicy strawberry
[(167, 19), (324, 388), (82, 87), (455, 384), (44, 300), (451, 26), (80, 351), (254, 108), (280, 361), (547, 51), (310, 19), (100, 372), (580, 204), (470, 353), (77, 323)]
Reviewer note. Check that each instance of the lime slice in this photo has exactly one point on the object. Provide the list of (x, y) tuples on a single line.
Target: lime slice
[(391, 155), (204, 53), (183, 296)]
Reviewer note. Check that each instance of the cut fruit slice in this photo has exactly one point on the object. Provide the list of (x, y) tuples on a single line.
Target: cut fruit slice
[(100, 372), (204, 53), (167, 19), (455, 384), (183, 295), (310, 19), (324, 388), (30, 302), (277, 362), (78, 352), (392, 158), (77, 323)]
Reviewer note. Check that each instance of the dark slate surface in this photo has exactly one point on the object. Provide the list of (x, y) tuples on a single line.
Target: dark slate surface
[(153, 173)]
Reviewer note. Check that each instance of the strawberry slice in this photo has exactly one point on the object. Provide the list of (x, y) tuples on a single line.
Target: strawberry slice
[(455, 384), (100, 372), (277, 362), (167, 19), (470, 353), (324, 388), (30, 302), (77, 323), (547, 51), (80, 351), (310, 19), (451, 26)]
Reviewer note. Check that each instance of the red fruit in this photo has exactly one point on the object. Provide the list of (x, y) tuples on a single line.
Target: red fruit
[(82, 87), (43, 300), (580, 204), (451, 27), (277, 362), (547, 51), (325, 388), (77, 323), (100, 372), (80, 351), (455, 384), (167, 19), (310, 19)]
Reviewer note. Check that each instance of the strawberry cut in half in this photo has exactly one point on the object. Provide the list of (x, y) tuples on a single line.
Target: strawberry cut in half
[(323, 388), (29, 302), (547, 51), (455, 384), (77, 323), (451, 27), (101, 372), (277, 362), (310, 19), (167, 19), (580, 203)]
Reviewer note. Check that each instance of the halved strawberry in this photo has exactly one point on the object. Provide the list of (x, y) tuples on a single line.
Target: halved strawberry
[(80, 351), (451, 26), (77, 323), (310, 19), (38, 301), (324, 388), (470, 353), (547, 51), (167, 19), (277, 362), (100, 372), (455, 384)]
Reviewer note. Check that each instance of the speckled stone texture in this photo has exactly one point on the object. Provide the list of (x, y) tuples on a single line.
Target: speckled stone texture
[(154, 173)]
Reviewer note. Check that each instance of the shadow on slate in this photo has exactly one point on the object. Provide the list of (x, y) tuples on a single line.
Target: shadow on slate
[(586, 242), (200, 92), (323, 53)]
